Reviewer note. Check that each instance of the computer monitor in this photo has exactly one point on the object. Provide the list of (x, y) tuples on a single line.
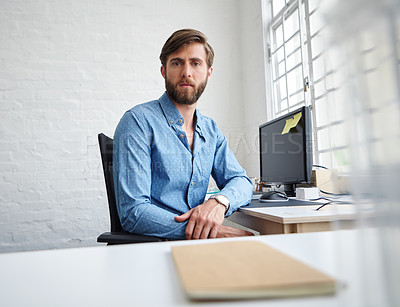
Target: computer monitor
[(286, 150)]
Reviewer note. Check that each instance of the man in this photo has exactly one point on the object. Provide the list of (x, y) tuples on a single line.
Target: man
[(165, 152)]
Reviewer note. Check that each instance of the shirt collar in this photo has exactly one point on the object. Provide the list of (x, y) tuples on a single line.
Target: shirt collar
[(174, 117), (199, 122), (170, 111)]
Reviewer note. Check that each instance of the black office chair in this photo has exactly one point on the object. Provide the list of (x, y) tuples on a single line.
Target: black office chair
[(117, 234)]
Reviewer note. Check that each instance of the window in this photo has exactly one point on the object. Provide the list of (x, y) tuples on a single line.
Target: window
[(349, 86), (301, 75), (287, 58)]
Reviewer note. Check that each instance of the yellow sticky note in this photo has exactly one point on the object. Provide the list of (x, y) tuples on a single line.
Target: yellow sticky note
[(291, 123)]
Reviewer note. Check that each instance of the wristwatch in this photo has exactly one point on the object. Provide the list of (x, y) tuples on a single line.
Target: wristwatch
[(223, 200)]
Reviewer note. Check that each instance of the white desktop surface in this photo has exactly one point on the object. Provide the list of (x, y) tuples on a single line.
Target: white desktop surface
[(303, 214), (144, 274)]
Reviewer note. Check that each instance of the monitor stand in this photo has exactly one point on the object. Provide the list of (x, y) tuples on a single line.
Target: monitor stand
[(290, 190)]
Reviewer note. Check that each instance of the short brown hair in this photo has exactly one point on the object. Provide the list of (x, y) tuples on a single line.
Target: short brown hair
[(186, 37)]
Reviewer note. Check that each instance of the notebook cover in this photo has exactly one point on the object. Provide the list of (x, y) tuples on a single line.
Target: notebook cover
[(245, 269)]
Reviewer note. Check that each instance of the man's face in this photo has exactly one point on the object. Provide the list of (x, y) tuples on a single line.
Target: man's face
[(186, 74)]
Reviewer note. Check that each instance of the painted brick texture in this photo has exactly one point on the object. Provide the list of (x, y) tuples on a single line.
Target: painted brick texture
[(68, 71)]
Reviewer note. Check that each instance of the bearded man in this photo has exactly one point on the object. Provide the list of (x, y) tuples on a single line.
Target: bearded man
[(165, 152)]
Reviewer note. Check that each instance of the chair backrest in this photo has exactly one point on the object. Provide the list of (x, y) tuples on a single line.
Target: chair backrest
[(106, 151)]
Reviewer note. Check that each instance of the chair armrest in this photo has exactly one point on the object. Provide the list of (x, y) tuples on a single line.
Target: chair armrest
[(125, 237)]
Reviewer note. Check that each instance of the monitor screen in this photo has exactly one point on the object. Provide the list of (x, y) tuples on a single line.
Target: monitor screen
[(286, 150)]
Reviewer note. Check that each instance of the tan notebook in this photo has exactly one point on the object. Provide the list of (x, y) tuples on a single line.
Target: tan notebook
[(245, 269)]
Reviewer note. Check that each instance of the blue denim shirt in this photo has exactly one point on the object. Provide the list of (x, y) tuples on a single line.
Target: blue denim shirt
[(157, 176)]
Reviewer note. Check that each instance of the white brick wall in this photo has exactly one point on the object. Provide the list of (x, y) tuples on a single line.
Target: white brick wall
[(68, 70)]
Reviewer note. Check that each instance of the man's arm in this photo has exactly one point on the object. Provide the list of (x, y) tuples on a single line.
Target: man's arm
[(230, 177), (132, 182), (228, 232), (205, 221)]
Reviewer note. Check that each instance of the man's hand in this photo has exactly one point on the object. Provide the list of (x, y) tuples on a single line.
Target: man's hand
[(204, 220), (228, 232)]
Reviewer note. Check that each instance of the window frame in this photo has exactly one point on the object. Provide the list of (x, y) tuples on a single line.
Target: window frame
[(307, 62)]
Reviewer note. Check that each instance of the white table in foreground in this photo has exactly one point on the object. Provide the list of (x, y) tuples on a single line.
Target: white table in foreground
[(144, 274), (295, 219)]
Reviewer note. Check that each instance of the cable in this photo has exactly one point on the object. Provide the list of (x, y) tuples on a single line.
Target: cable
[(323, 205), (320, 166), (333, 202), (334, 194)]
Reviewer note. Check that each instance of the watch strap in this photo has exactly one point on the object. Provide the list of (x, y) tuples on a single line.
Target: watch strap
[(224, 202)]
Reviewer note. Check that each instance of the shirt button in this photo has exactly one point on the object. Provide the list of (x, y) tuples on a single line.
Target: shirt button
[(180, 121), (181, 135), (171, 121), (192, 183)]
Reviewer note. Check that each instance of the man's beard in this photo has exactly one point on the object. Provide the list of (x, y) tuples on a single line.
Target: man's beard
[(185, 97)]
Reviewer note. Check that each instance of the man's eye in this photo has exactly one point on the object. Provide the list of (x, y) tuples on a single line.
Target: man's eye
[(176, 63), (196, 64)]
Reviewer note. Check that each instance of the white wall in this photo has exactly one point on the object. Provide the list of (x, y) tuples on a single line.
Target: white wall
[(69, 69), (255, 84)]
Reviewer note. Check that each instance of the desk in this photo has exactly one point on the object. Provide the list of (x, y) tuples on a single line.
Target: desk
[(279, 220), (144, 274)]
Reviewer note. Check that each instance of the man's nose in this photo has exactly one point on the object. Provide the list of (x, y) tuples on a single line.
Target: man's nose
[(186, 71)]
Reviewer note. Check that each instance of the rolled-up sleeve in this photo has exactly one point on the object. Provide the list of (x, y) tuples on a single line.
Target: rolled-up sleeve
[(230, 177)]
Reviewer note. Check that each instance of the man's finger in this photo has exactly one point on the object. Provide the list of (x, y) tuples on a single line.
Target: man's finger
[(214, 232), (183, 217), (190, 227), (200, 222), (205, 231)]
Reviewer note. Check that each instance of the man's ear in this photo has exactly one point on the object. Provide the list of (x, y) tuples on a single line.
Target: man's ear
[(210, 71), (163, 71)]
